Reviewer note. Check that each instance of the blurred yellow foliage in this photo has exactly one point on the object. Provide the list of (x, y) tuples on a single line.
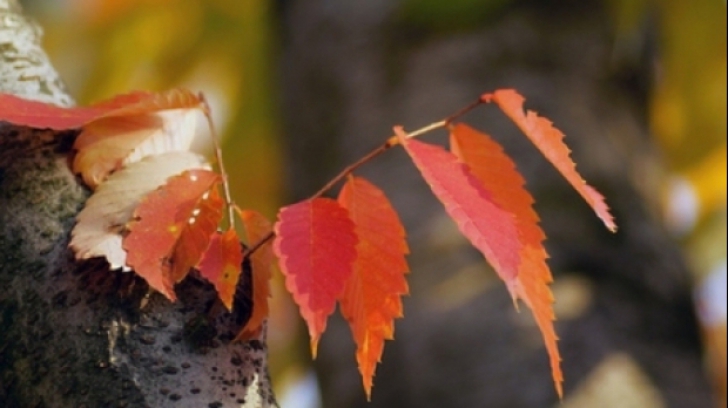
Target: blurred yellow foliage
[(688, 120), (222, 48)]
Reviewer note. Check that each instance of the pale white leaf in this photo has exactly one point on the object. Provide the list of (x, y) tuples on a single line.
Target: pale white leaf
[(101, 223), (175, 135)]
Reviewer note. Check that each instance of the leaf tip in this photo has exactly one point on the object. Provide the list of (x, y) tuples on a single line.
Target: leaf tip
[(314, 345), (486, 97)]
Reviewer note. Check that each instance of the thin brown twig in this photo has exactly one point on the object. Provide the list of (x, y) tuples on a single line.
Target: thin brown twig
[(350, 168), (392, 141), (463, 111), (249, 251)]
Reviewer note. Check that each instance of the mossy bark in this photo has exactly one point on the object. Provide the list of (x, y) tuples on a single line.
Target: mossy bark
[(74, 334)]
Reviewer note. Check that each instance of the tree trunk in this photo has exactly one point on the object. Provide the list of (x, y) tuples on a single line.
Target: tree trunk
[(74, 334), (352, 69)]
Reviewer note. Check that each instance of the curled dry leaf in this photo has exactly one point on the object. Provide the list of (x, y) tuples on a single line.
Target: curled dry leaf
[(145, 124), (102, 222)]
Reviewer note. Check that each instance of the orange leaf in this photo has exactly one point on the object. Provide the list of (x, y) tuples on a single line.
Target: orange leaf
[(142, 102), (488, 227), (532, 287), (161, 219), (257, 227), (371, 299), (497, 172), (132, 127), (196, 233), (549, 141), (221, 264), (490, 164), (316, 247)]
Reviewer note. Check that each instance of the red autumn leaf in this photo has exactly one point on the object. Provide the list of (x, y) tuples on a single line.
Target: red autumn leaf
[(488, 227), (221, 264), (39, 115), (549, 141), (371, 299), (161, 219), (256, 228), (316, 247), (146, 124), (497, 172)]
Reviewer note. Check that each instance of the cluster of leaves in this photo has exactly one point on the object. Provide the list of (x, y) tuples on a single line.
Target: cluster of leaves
[(157, 209)]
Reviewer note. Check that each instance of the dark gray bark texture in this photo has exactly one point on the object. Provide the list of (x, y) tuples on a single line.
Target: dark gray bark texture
[(74, 334), (353, 69)]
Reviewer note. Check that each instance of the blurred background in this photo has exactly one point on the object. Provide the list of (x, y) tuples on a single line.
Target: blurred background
[(299, 89)]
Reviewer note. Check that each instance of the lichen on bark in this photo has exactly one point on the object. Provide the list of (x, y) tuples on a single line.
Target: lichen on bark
[(24, 67)]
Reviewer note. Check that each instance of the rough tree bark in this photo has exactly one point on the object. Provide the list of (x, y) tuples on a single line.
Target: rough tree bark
[(75, 334), (352, 69)]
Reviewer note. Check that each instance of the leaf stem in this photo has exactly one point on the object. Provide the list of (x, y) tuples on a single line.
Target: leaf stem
[(463, 111), (218, 155), (249, 251), (392, 141), (350, 168)]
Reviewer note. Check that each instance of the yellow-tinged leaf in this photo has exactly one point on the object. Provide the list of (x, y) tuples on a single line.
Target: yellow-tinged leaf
[(221, 264)]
